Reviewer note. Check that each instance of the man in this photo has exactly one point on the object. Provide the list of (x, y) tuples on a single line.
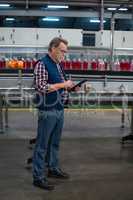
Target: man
[(51, 86)]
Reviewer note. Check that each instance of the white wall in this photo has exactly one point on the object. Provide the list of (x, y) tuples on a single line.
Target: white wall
[(122, 39), (42, 36), (38, 36), (103, 39), (6, 36)]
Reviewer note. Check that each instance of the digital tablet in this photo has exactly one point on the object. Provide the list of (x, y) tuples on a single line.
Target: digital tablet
[(78, 84)]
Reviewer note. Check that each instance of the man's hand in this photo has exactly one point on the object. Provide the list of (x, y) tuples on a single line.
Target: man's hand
[(68, 84), (77, 89)]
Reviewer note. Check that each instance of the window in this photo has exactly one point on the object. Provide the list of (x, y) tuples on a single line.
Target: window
[(89, 39)]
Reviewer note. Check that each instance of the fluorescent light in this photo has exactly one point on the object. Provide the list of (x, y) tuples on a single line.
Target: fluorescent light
[(10, 19), (123, 9), (111, 9), (96, 21), (4, 5), (57, 6), (50, 19)]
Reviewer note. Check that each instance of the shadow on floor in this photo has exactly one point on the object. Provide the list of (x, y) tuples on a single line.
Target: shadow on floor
[(100, 169)]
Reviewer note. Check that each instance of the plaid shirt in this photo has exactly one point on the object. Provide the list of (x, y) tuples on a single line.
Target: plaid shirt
[(41, 79)]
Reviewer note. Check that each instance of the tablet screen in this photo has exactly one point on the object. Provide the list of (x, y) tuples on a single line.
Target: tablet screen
[(79, 84)]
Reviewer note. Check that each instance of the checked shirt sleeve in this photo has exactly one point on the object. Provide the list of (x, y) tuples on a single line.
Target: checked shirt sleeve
[(41, 78)]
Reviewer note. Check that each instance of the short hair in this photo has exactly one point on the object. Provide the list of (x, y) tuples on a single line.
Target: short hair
[(55, 42)]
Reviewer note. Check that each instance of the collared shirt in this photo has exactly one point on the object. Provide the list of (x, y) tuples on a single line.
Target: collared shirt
[(41, 79)]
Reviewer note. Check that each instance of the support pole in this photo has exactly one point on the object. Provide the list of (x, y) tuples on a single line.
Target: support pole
[(102, 16), (1, 114), (27, 4), (6, 114), (112, 41), (131, 121), (130, 136)]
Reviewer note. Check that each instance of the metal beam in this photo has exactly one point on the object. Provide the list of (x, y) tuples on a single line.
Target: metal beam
[(26, 4), (41, 13), (68, 2), (102, 15)]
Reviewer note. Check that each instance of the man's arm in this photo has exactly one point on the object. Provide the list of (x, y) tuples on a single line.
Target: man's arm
[(65, 85), (41, 78)]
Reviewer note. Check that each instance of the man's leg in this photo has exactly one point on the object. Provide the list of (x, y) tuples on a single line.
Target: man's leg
[(54, 141), (46, 124)]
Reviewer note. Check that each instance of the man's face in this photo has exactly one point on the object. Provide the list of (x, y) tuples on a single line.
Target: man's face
[(58, 53)]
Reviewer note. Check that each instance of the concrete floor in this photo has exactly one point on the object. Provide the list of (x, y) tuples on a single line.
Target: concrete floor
[(100, 167), (83, 123)]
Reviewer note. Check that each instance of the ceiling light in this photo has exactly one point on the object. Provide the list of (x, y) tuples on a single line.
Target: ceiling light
[(123, 9), (96, 21), (10, 19), (56, 6), (50, 19), (111, 9), (4, 5)]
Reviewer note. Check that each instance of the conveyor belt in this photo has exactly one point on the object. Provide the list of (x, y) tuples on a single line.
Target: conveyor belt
[(105, 88)]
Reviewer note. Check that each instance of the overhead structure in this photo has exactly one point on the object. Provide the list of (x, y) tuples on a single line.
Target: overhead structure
[(91, 3), (73, 4)]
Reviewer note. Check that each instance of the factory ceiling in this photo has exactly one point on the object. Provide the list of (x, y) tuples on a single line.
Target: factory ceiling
[(36, 9), (83, 3)]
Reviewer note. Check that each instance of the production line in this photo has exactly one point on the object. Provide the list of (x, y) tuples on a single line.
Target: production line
[(17, 90)]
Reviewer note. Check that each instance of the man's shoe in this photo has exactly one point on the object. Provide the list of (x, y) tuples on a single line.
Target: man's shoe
[(58, 173), (44, 184)]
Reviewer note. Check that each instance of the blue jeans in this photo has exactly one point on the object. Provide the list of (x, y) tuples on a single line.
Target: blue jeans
[(50, 124)]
